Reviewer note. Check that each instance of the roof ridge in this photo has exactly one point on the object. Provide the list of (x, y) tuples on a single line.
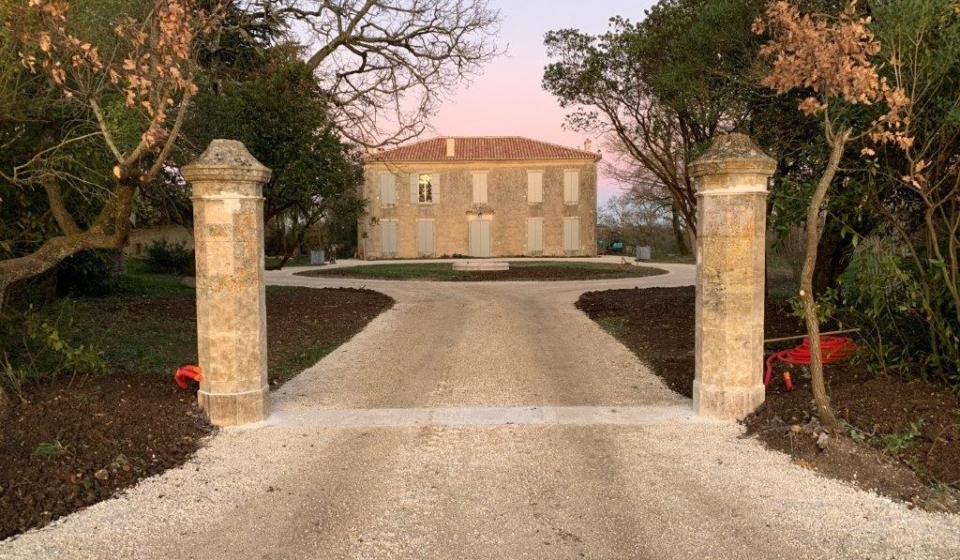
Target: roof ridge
[(535, 149)]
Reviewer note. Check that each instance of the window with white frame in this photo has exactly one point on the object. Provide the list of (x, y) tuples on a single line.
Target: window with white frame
[(480, 187), (425, 185), (388, 189), (534, 187), (571, 187)]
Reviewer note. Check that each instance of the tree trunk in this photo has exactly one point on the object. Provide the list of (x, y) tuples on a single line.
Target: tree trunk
[(807, 297), (681, 237), (110, 231), (834, 252)]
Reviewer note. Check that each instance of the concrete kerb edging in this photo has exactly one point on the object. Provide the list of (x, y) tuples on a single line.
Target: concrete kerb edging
[(529, 416)]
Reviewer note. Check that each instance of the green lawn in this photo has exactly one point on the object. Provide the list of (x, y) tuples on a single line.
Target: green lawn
[(519, 270), (148, 326), (299, 260)]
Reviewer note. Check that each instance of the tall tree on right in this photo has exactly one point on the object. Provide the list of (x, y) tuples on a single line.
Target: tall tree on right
[(659, 89), (832, 59)]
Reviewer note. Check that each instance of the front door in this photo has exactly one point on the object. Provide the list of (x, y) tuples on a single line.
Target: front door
[(425, 246), (480, 238)]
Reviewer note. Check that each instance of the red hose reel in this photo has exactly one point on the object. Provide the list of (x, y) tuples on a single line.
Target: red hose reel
[(832, 348)]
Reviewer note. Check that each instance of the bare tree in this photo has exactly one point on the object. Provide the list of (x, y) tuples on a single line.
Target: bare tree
[(645, 189), (387, 64)]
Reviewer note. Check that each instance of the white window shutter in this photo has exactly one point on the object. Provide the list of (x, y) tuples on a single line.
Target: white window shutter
[(414, 188), (571, 234), (534, 235), (388, 189), (388, 237), (571, 187), (534, 187), (435, 190), (480, 191)]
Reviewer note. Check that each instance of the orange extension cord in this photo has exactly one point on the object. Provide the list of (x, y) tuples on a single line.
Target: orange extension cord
[(188, 372), (832, 348)]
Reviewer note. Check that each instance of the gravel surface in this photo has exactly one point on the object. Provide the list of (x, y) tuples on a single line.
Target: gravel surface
[(531, 490)]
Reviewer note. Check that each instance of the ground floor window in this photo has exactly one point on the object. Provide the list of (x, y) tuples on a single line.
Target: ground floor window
[(534, 235), (425, 242), (389, 240), (571, 234)]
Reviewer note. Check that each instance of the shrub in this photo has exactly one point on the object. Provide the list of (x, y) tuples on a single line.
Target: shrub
[(910, 317), (170, 258), (36, 347), (89, 274)]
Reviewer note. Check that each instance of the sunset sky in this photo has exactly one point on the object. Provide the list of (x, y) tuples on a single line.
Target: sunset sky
[(507, 99)]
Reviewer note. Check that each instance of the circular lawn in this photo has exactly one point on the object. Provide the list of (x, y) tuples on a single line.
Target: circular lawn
[(519, 270)]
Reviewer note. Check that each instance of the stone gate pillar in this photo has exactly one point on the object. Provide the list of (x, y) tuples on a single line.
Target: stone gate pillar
[(231, 308), (732, 179)]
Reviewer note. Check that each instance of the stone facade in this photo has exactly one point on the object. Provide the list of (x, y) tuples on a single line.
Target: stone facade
[(731, 245), (516, 225), (142, 238)]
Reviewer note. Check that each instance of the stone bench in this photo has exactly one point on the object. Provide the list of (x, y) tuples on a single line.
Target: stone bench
[(481, 266)]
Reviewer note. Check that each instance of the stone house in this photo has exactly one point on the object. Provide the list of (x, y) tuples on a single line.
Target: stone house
[(480, 197), (141, 238)]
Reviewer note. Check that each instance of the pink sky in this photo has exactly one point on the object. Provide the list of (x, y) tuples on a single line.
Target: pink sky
[(507, 99)]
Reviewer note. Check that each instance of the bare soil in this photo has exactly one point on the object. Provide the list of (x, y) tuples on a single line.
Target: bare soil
[(73, 443), (903, 435)]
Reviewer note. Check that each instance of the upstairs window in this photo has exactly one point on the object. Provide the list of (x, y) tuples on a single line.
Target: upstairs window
[(480, 188), (388, 189), (425, 183), (571, 187), (534, 187)]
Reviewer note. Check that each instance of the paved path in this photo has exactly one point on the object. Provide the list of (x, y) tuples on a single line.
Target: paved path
[(488, 421)]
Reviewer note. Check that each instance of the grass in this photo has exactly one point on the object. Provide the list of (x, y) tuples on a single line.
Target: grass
[(673, 259), (146, 327), (51, 449), (299, 260), (541, 270), (895, 443)]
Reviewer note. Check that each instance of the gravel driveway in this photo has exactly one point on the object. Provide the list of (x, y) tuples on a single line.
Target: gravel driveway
[(488, 421)]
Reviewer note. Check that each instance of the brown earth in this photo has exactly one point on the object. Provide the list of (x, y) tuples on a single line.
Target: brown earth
[(73, 443), (902, 438)]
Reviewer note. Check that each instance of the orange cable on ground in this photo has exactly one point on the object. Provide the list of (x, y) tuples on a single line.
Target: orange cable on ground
[(832, 348), (188, 372)]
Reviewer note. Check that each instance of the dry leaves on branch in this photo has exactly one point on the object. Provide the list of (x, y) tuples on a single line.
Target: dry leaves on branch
[(152, 69), (834, 59)]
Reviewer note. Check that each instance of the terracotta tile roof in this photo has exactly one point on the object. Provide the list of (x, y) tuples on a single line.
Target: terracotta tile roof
[(481, 149)]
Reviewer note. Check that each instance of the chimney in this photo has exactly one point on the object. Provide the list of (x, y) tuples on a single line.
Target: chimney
[(587, 146), (451, 147)]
